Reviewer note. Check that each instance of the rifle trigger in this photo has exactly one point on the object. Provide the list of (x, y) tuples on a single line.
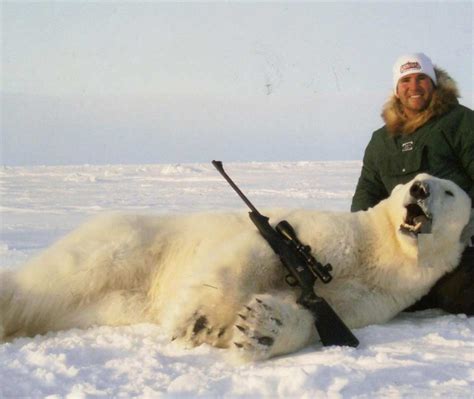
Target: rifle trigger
[(291, 281)]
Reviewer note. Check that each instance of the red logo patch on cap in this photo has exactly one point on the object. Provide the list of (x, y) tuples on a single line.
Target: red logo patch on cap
[(409, 66)]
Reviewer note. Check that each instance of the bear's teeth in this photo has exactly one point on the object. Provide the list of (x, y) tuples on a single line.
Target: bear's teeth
[(414, 229), (417, 227)]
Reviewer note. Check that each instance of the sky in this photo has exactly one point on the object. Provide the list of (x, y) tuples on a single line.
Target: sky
[(168, 82)]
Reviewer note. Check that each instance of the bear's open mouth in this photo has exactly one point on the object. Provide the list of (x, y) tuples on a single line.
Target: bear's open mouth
[(418, 220)]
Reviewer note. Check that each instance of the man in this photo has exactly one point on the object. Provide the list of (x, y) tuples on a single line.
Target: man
[(426, 130)]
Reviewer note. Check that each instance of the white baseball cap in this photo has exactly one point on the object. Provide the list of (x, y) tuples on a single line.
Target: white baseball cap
[(412, 63)]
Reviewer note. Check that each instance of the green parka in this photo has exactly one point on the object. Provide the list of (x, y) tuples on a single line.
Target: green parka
[(439, 142)]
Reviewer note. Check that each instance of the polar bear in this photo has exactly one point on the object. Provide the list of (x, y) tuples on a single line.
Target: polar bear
[(211, 278)]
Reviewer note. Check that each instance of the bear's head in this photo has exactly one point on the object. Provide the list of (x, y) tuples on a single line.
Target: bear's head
[(429, 209)]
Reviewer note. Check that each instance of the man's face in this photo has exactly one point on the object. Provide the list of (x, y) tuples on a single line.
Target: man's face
[(415, 92)]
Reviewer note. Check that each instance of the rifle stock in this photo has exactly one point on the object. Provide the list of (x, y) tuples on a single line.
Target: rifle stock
[(301, 267)]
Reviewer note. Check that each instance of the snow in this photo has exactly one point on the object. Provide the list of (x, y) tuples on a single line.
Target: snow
[(419, 355)]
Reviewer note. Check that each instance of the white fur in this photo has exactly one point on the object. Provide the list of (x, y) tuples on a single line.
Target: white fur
[(212, 278)]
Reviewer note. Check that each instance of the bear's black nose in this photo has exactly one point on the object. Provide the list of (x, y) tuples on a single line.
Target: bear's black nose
[(420, 190)]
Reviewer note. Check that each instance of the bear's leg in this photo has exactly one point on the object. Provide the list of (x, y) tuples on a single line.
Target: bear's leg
[(271, 325), (122, 307), (31, 306)]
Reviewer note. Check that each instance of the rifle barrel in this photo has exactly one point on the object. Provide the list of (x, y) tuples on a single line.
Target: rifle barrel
[(218, 165)]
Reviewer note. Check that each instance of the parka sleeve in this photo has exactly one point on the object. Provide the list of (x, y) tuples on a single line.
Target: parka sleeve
[(370, 189), (467, 149), (463, 145)]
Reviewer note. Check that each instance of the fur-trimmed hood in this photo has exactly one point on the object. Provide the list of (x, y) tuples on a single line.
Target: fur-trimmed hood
[(445, 97)]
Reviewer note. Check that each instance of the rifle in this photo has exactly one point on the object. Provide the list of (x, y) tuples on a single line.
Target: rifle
[(303, 270)]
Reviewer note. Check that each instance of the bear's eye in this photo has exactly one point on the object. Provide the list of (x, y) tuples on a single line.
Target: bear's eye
[(450, 193)]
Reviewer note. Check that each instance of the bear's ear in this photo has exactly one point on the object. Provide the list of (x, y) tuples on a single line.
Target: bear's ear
[(468, 231)]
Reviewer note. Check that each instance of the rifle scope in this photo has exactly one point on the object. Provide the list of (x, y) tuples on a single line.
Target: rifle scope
[(288, 233)]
